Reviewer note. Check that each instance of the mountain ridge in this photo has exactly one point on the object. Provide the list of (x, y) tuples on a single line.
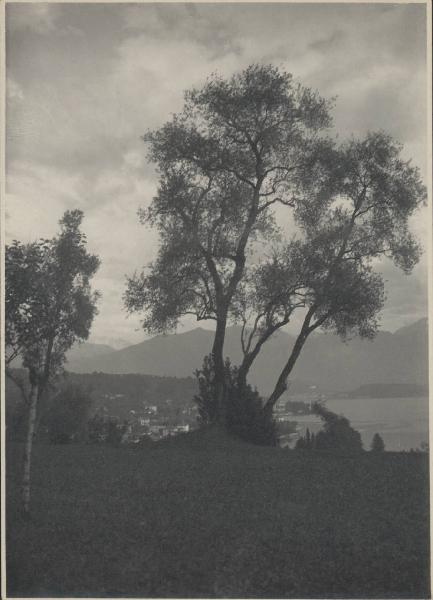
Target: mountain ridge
[(326, 361)]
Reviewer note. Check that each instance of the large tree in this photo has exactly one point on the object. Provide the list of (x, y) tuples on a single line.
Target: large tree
[(238, 149), (245, 158), (49, 305), (327, 269)]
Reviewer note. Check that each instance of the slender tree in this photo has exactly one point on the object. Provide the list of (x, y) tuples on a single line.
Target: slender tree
[(238, 149), (49, 305)]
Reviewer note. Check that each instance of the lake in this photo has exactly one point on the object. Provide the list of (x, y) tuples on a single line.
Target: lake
[(402, 422)]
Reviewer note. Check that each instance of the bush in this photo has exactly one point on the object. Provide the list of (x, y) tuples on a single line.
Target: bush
[(243, 410), (96, 429), (102, 429), (246, 419), (66, 415), (336, 436), (115, 432), (306, 443), (205, 399), (377, 444)]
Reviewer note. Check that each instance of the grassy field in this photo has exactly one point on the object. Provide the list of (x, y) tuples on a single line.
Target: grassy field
[(205, 516)]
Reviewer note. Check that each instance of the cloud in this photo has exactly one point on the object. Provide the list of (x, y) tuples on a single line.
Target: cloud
[(37, 18), (77, 107), (330, 42), (150, 76), (197, 23), (37, 195)]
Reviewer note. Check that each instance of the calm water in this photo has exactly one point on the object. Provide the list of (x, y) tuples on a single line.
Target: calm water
[(402, 422)]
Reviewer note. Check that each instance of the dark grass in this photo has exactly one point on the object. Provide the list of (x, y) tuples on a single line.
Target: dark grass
[(207, 516)]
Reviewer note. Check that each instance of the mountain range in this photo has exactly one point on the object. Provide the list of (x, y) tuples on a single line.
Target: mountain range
[(326, 362)]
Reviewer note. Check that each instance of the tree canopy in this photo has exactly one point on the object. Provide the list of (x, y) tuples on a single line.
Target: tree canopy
[(238, 148), (245, 158), (49, 305)]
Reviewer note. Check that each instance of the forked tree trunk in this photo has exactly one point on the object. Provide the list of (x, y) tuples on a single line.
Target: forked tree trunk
[(33, 398)]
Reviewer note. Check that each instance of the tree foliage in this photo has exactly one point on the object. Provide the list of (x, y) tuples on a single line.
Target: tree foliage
[(307, 442), (243, 412), (205, 399), (377, 443), (327, 269), (337, 434), (67, 414), (239, 148), (49, 305), (246, 157)]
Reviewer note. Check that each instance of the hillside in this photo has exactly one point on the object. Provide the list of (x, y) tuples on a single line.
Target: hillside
[(81, 353), (120, 394), (327, 362), (78, 355), (211, 517)]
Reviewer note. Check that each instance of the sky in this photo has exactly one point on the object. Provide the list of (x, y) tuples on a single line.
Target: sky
[(86, 81)]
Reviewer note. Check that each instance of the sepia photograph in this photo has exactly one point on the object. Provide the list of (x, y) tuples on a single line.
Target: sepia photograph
[(216, 273)]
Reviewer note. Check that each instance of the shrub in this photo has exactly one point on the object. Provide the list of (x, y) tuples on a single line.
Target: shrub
[(105, 429), (67, 413), (205, 399), (337, 434), (377, 444), (96, 429), (306, 443), (115, 432), (246, 418), (243, 410)]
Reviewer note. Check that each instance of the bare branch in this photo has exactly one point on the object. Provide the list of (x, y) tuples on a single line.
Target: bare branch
[(288, 203)]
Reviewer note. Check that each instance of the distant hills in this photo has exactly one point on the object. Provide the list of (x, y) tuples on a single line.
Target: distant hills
[(81, 353), (389, 390), (327, 362)]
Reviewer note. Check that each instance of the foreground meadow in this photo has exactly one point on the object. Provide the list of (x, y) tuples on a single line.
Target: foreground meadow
[(206, 516)]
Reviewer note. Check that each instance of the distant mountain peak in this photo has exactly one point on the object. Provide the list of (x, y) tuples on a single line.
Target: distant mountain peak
[(326, 362), (420, 326)]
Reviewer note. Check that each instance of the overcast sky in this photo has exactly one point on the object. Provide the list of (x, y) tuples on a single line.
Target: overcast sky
[(85, 81)]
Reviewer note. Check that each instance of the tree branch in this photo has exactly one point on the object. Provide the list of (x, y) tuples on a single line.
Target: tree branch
[(281, 384)]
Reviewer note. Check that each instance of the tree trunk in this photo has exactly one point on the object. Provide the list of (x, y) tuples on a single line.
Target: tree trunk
[(281, 384), (42, 401), (33, 397), (251, 356), (218, 359), (245, 367)]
